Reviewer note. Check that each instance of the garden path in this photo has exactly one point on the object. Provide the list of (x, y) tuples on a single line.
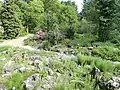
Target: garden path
[(18, 42)]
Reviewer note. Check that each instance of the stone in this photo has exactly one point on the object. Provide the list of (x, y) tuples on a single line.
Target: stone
[(32, 81), (2, 87), (14, 88), (112, 84), (90, 48), (23, 68), (9, 66), (50, 72)]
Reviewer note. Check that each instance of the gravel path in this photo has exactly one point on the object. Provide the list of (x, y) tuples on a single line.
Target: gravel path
[(18, 42)]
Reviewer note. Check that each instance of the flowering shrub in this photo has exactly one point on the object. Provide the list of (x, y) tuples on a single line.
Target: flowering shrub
[(41, 34)]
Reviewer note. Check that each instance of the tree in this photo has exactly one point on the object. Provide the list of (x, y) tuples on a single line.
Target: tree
[(106, 20), (31, 13), (90, 13), (102, 13), (68, 17), (10, 21)]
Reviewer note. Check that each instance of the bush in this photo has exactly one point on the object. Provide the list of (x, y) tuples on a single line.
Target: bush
[(82, 50), (83, 40), (31, 41), (58, 48), (117, 66), (67, 42), (107, 52)]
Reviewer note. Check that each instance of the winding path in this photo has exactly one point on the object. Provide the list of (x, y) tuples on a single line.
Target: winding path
[(18, 42)]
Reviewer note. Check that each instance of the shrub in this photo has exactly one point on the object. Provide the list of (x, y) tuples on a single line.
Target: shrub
[(117, 66), (107, 52), (10, 22), (67, 42), (31, 41), (83, 39), (82, 50)]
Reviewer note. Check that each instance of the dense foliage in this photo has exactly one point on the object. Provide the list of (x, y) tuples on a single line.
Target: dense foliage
[(67, 49), (10, 22)]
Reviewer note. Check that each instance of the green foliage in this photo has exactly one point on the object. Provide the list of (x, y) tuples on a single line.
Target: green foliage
[(17, 80), (31, 41), (87, 27), (107, 52), (83, 39), (107, 13), (68, 17), (2, 63), (67, 42), (56, 66), (71, 75), (104, 16), (4, 48), (10, 21), (89, 60), (103, 65), (64, 86), (117, 66), (54, 37)]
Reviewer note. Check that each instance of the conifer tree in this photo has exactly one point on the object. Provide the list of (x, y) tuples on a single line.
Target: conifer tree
[(106, 19), (10, 22)]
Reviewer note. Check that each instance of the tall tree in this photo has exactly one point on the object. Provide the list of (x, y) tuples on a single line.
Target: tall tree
[(31, 13), (68, 18), (106, 20), (102, 13)]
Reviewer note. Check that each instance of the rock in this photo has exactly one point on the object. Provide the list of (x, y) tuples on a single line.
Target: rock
[(32, 81), (40, 88), (3, 59), (90, 48), (14, 88), (115, 84), (50, 72), (112, 84), (47, 86), (6, 74), (35, 57), (117, 79), (2, 87), (10, 66), (23, 68), (48, 83)]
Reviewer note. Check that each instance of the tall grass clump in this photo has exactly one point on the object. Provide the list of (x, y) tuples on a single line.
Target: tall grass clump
[(103, 65)]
